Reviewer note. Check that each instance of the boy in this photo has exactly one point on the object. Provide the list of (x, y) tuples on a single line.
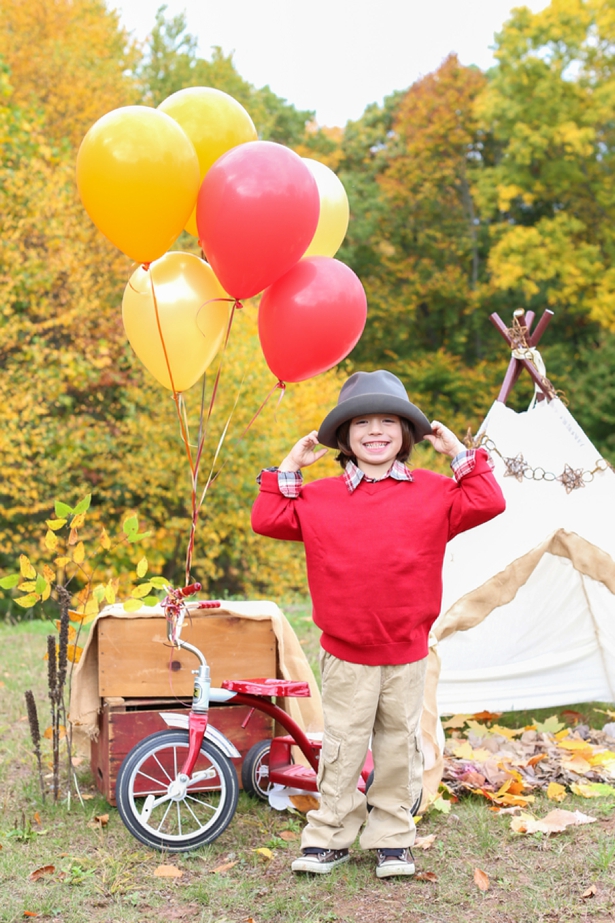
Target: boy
[(374, 542)]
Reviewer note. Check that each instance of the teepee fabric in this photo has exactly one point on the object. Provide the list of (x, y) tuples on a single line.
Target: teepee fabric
[(528, 614)]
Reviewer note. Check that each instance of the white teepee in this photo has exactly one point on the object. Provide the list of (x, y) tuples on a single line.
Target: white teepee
[(528, 614)]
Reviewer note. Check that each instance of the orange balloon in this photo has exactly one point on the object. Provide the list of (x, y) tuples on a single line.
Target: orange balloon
[(138, 178), (193, 324), (214, 122)]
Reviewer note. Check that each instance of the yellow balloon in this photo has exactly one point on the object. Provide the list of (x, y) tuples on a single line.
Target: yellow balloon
[(138, 177), (192, 328), (214, 122), (334, 211)]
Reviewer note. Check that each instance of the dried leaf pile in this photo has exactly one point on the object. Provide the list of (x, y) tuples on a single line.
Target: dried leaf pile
[(506, 766)]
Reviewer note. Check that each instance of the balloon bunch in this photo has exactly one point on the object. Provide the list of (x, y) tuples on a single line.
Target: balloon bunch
[(268, 220)]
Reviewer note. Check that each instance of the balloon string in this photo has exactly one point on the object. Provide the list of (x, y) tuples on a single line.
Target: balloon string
[(237, 306), (182, 423), (278, 385), (220, 443), (203, 428)]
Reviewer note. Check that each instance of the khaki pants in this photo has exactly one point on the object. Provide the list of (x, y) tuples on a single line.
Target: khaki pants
[(360, 702)]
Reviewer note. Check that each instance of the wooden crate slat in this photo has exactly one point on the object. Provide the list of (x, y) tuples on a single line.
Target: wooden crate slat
[(135, 659)]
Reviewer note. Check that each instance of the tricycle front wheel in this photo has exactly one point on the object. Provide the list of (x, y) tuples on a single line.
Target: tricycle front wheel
[(165, 813)]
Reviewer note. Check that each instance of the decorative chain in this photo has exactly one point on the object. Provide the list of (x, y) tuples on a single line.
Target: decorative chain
[(517, 467)]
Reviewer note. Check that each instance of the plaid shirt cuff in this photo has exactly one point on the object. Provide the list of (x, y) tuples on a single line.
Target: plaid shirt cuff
[(289, 482), (465, 461)]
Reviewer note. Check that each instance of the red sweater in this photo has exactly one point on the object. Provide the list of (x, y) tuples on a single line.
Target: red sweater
[(374, 557)]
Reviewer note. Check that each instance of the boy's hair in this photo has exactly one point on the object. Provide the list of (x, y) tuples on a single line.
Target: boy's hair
[(345, 452)]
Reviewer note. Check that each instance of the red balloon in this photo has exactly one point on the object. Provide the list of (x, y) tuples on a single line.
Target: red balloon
[(256, 213), (311, 318)]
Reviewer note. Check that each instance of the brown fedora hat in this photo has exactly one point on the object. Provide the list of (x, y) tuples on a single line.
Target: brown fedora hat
[(372, 392)]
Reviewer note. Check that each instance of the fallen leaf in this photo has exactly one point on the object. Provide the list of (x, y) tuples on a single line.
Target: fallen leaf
[(556, 792), (440, 804), (305, 803), (426, 876), (29, 913), (591, 892), (40, 872), (168, 871), (572, 715), (224, 868), (481, 880), (577, 764), (573, 744), (592, 789), (86, 796), (509, 733), (457, 721), (487, 715), (424, 842), (37, 817), (549, 726), (289, 835), (264, 851), (555, 821), (48, 732), (478, 730), (99, 821)]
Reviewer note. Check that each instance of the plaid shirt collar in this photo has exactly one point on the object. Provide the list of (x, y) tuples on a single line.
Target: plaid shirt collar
[(353, 475)]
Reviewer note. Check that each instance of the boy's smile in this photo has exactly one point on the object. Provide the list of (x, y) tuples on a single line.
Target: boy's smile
[(375, 441)]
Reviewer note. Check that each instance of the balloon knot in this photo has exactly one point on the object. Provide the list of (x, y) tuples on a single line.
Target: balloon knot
[(281, 385), (238, 305), (145, 266)]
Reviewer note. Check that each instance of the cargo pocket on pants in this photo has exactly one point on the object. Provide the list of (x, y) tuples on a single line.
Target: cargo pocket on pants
[(329, 766)]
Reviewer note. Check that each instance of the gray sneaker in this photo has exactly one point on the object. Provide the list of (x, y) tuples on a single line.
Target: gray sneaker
[(319, 861), (394, 862)]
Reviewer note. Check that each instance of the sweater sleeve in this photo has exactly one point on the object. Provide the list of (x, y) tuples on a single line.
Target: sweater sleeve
[(477, 498), (273, 514)]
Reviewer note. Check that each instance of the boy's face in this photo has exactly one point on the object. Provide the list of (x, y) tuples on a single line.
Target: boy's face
[(375, 441)]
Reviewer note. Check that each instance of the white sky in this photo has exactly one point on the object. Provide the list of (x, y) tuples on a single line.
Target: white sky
[(335, 56)]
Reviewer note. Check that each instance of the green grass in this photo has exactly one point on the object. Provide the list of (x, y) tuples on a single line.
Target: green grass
[(103, 875)]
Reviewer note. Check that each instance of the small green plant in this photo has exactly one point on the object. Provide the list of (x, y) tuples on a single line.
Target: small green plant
[(604, 856), (70, 581)]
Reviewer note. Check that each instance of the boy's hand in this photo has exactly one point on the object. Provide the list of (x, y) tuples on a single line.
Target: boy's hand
[(445, 441), (302, 454)]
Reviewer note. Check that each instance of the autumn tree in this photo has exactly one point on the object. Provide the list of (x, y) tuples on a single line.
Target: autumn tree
[(417, 242), (551, 194), (68, 58), (80, 414)]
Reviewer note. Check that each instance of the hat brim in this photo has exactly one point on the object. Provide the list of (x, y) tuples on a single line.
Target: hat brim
[(372, 403)]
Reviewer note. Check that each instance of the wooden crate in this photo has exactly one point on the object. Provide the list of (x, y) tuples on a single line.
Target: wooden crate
[(135, 659), (140, 674), (122, 724)]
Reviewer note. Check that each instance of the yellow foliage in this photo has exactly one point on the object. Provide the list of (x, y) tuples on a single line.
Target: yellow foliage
[(71, 57)]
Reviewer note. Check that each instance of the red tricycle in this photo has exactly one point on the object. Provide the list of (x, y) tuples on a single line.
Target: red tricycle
[(177, 789)]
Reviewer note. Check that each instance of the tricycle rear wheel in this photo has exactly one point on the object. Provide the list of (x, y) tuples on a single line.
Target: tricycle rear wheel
[(255, 770)]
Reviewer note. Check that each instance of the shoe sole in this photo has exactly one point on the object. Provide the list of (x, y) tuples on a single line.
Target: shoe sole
[(317, 868), (392, 869)]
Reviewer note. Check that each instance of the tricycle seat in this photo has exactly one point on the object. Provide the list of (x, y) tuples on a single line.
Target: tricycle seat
[(268, 687)]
